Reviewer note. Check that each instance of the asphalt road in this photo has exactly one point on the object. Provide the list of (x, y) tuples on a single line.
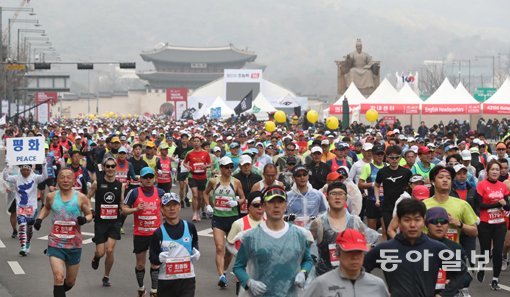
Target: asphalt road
[(31, 275)]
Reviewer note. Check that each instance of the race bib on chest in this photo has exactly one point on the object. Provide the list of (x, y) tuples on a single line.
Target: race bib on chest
[(178, 266), (220, 203), (64, 229), (333, 259), (109, 212), (27, 211), (147, 223), (496, 216), (198, 168), (441, 280)]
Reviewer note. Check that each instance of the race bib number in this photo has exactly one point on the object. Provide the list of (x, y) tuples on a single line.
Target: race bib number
[(441, 280), (452, 234), (301, 221), (333, 259), (109, 212), (496, 216), (27, 211), (165, 174), (147, 223), (64, 229), (178, 266), (220, 203), (198, 168), (244, 207)]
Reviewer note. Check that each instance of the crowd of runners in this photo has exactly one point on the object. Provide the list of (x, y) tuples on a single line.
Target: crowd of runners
[(300, 211)]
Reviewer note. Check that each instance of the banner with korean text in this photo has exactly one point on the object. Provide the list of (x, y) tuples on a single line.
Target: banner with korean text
[(25, 150), (338, 109), (450, 108), (179, 98), (489, 108), (392, 108)]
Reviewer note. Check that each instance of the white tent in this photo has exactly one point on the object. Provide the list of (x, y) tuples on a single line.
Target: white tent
[(226, 111), (353, 95), (499, 102), (261, 107), (408, 95), (463, 92), (385, 93), (447, 100)]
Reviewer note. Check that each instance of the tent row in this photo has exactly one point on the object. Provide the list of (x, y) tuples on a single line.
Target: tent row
[(446, 100)]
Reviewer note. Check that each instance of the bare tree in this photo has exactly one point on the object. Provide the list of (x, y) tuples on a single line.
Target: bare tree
[(432, 74)]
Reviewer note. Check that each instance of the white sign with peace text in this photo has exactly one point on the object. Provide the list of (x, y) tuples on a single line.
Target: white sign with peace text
[(25, 150)]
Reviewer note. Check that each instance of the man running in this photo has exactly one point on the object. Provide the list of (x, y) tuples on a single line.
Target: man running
[(174, 250), (26, 201), (69, 210), (197, 161), (109, 194), (145, 203)]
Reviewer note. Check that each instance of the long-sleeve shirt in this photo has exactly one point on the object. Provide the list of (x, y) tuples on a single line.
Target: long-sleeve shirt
[(26, 188)]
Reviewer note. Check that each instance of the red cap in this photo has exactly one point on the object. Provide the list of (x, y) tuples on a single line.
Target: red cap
[(423, 150), (333, 176), (421, 192), (351, 240)]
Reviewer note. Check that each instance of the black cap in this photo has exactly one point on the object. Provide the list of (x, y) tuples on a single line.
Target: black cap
[(291, 160), (378, 149), (299, 168)]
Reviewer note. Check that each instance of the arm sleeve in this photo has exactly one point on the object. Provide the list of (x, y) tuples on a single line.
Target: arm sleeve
[(485, 205), (241, 262), (233, 232), (9, 178), (39, 178), (379, 178), (131, 171), (194, 235), (161, 192), (307, 262), (155, 247), (131, 197)]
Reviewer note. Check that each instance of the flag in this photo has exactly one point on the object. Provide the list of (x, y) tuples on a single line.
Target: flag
[(245, 103), (216, 112)]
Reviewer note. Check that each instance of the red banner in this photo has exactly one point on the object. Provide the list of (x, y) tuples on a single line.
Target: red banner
[(51, 97), (450, 108), (338, 108), (496, 108), (392, 108), (43, 100), (179, 98)]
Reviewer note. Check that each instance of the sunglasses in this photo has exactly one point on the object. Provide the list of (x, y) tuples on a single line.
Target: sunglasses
[(501, 149), (228, 167), (438, 221), (257, 205), (394, 158), (111, 166)]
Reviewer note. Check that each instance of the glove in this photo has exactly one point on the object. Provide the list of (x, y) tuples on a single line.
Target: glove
[(256, 288), (289, 218), (195, 256), (300, 279), (89, 185), (54, 167), (232, 203), (81, 220), (209, 210), (37, 224), (30, 221), (160, 172), (163, 256)]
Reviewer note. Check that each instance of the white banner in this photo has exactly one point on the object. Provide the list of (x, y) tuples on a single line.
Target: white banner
[(25, 150), (243, 75)]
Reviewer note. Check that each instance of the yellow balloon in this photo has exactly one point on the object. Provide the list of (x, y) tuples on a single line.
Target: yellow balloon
[(332, 123), (270, 126), (280, 116), (371, 115), (312, 116)]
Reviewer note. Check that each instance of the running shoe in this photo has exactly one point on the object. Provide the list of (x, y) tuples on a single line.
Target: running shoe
[(122, 231), (504, 265), (186, 200), (106, 282), (480, 276), (154, 294), (223, 282), (14, 234), (23, 251), (464, 293), (495, 285), (95, 263), (141, 293)]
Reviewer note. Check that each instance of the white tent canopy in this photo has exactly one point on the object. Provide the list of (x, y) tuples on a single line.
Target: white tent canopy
[(385, 93), (408, 96), (353, 95), (261, 107), (463, 92), (447, 94), (502, 95), (226, 111)]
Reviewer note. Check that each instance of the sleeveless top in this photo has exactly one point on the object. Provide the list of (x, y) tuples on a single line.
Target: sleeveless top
[(121, 172), (220, 197), (178, 264), (149, 219), (107, 207), (371, 178), (165, 177), (65, 232)]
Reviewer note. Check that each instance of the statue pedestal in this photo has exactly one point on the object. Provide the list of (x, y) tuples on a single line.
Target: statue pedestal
[(342, 85)]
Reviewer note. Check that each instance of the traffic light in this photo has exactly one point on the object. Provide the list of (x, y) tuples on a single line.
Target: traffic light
[(128, 65), (42, 66), (85, 66)]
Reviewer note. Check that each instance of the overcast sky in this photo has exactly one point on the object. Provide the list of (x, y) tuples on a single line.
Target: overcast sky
[(298, 40)]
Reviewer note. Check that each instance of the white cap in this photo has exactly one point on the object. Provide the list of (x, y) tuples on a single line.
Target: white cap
[(414, 148), (466, 155), (431, 145), (367, 146), (77, 137), (225, 161), (316, 149), (477, 141), (244, 159), (402, 137), (216, 149), (325, 142), (229, 138), (459, 167), (410, 139), (259, 144), (396, 131)]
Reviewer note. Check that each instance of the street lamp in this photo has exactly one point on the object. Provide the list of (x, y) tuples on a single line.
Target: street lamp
[(493, 62), (26, 21), (29, 31)]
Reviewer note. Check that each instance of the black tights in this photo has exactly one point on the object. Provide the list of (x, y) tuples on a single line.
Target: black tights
[(492, 235)]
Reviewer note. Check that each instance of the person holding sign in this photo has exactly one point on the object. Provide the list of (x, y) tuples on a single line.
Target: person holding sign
[(26, 201), (69, 210), (174, 250), (222, 193), (109, 193)]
